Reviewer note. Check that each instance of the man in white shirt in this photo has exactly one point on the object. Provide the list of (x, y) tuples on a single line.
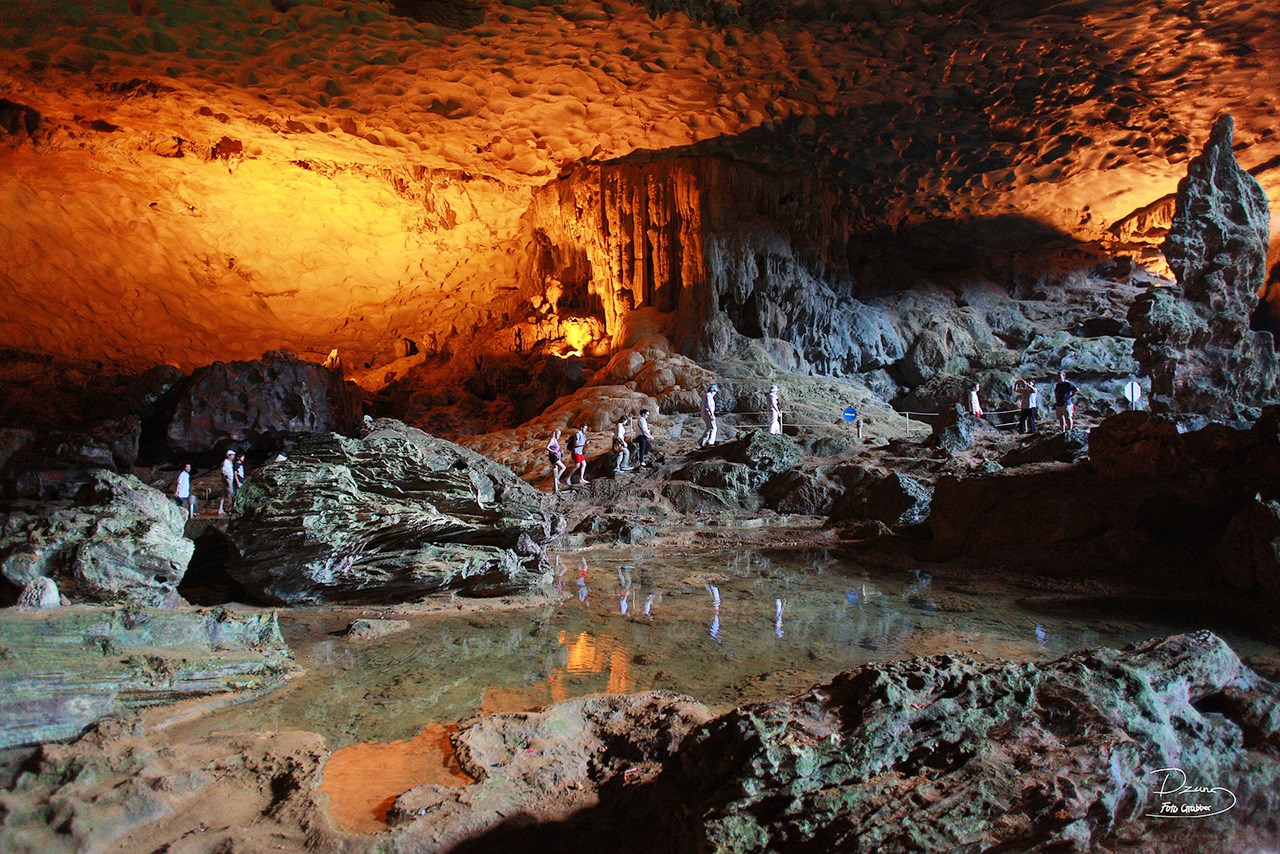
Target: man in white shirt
[(622, 454), (775, 412), (228, 482), (709, 416), (182, 491)]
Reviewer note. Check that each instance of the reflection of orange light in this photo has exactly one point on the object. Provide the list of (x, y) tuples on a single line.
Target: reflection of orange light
[(363, 780), (585, 654)]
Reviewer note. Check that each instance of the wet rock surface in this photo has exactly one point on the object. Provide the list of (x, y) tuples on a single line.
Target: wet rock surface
[(120, 541), (934, 753), (64, 669), (391, 516), (260, 403)]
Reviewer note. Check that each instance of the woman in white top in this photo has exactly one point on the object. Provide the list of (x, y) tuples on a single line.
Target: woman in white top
[(622, 462), (775, 412), (556, 455)]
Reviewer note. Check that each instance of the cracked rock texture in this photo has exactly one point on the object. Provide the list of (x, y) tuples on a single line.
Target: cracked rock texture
[(1197, 346), (390, 516)]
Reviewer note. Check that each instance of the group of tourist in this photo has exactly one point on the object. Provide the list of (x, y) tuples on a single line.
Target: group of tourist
[(578, 450), (1064, 403), (644, 440), (232, 472)]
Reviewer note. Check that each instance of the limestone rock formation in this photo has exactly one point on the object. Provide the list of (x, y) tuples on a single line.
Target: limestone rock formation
[(937, 753), (954, 429), (260, 403), (121, 541), (1197, 345), (898, 501), (40, 594), (65, 669), (57, 463), (1068, 447), (391, 516), (971, 754), (584, 747)]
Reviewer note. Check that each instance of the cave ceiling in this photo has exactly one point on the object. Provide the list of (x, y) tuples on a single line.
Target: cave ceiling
[(183, 182)]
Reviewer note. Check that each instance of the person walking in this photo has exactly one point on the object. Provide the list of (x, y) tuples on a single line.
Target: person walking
[(622, 454), (1064, 402), (228, 483), (709, 416), (182, 492), (239, 473), (1028, 403), (775, 412), (556, 455), (644, 439), (975, 405), (579, 457)]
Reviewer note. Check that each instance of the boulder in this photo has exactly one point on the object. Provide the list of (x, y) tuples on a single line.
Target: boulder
[(971, 756), (1249, 554), (803, 493), (260, 403), (899, 501), (764, 454), (1068, 447), (58, 463), (1138, 444), (392, 516), (1196, 344), (361, 630), (67, 668), (943, 753), (120, 542), (954, 430), (40, 594), (583, 747)]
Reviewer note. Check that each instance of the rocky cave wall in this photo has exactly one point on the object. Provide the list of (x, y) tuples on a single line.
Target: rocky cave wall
[(183, 184)]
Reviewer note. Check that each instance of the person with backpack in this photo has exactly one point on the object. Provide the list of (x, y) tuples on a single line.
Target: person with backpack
[(579, 456), (622, 454)]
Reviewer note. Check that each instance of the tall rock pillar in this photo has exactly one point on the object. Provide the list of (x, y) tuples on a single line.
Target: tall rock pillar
[(1194, 341)]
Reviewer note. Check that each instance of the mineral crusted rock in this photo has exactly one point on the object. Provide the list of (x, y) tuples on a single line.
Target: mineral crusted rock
[(70, 667), (972, 754), (365, 629), (941, 753), (954, 429), (391, 516), (40, 594), (1065, 447), (1197, 345), (260, 402), (58, 463), (584, 746), (899, 501), (121, 541)]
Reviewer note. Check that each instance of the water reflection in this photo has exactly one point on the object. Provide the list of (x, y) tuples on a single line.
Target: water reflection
[(363, 780), (725, 629)]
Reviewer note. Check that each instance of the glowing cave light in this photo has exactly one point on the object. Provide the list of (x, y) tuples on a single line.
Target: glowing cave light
[(578, 333)]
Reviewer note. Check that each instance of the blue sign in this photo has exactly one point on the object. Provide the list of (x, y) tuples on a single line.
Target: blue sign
[(851, 414)]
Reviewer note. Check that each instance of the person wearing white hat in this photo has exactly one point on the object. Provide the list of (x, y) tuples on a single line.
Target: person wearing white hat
[(228, 482), (775, 412), (709, 416)]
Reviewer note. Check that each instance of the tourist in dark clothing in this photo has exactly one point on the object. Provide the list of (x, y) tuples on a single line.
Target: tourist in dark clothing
[(1064, 402), (1028, 403)]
